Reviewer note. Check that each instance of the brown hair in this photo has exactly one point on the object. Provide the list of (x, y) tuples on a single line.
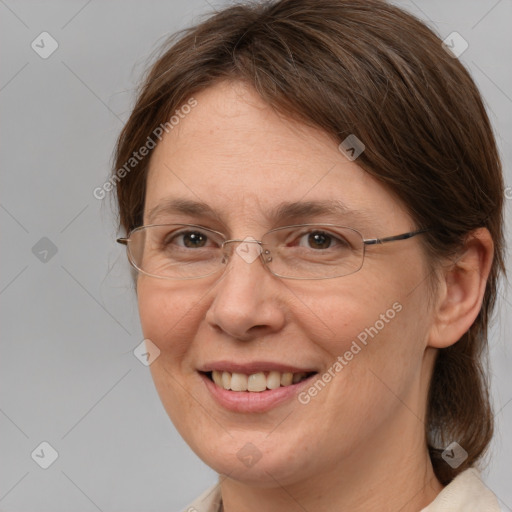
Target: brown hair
[(367, 68)]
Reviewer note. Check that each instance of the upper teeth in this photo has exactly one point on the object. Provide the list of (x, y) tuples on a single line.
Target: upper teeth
[(256, 381)]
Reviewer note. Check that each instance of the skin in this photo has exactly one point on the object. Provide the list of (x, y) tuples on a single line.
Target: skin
[(360, 443)]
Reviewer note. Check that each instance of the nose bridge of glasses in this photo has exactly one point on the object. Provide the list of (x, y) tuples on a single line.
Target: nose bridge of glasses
[(247, 239), (249, 249)]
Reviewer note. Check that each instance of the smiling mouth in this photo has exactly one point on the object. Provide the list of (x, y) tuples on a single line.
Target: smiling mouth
[(256, 382)]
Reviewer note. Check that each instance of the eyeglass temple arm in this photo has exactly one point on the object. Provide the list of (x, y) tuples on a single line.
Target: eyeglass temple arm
[(403, 236), (122, 241)]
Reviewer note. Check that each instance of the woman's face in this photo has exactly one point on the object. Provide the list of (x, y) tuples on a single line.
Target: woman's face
[(365, 334)]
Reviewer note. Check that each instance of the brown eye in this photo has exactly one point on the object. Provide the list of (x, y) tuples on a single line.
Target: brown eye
[(194, 239), (185, 239), (319, 240)]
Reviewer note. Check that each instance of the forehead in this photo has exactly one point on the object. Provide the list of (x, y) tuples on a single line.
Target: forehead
[(233, 153)]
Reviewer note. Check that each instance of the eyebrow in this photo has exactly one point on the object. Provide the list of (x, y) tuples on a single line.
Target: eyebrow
[(286, 211), (184, 207)]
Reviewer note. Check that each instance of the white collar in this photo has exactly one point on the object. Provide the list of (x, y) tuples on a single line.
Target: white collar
[(466, 493)]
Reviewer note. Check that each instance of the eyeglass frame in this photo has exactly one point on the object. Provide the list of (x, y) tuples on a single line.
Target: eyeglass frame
[(366, 241)]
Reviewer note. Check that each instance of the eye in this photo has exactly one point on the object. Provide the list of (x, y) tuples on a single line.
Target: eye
[(318, 240), (188, 239), (321, 240), (194, 239)]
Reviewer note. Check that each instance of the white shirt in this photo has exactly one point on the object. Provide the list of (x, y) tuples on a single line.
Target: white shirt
[(466, 493)]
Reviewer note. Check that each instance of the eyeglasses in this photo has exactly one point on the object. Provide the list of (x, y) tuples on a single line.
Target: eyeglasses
[(302, 251)]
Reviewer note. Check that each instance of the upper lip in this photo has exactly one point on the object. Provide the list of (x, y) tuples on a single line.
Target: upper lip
[(253, 367)]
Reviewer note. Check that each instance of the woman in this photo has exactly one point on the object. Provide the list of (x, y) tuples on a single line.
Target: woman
[(313, 201)]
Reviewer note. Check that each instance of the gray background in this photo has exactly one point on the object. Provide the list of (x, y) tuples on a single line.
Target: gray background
[(70, 324)]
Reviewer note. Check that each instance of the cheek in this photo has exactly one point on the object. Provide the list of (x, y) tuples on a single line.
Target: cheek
[(373, 331), (340, 312), (169, 314)]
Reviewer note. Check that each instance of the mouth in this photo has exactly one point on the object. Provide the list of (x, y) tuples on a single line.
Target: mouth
[(254, 386), (257, 382)]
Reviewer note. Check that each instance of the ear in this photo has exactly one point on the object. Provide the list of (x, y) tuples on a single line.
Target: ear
[(461, 290)]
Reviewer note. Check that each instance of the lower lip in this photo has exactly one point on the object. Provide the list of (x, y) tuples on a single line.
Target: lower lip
[(251, 401)]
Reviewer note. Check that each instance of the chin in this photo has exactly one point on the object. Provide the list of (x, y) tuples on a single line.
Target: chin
[(249, 458), (266, 472)]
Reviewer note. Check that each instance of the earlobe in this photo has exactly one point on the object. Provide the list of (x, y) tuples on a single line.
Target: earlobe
[(461, 290)]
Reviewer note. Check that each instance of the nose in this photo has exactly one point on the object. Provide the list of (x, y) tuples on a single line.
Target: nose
[(248, 301)]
